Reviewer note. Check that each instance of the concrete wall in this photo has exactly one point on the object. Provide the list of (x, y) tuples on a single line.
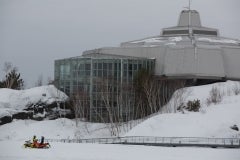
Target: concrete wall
[(186, 61), (231, 58)]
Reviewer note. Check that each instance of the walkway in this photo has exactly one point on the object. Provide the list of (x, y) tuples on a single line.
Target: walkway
[(160, 141)]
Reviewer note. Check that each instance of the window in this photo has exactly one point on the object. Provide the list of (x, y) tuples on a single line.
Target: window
[(104, 65), (204, 32), (175, 32), (87, 66), (81, 67), (99, 65)]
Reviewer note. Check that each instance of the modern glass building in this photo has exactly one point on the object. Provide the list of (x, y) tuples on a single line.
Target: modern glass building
[(103, 78), (103, 84)]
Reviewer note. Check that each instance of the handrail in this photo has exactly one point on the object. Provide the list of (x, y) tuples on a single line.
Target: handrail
[(159, 141)]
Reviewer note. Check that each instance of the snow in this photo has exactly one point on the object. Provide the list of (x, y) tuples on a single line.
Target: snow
[(52, 129), (148, 40), (169, 41), (175, 39), (74, 151), (222, 40), (213, 123), (159, 39), (13, 101), (213, 120)]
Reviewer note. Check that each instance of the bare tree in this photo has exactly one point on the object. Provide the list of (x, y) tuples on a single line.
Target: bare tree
[(39, 81), (106, 87), (50, 81), (152, 93), (80, 102), (8, 67), (236, 88), (12, 78)]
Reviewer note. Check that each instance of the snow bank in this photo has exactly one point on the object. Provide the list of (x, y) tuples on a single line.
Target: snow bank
[(211, 121), (13, 101)]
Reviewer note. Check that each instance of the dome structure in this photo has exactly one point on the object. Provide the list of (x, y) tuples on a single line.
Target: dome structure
[(186, 51)]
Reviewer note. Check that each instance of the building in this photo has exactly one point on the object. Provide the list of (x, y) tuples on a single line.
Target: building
[(100, 82), (187, 51)]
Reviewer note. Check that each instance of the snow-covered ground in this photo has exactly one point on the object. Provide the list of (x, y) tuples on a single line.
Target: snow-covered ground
[(52, 129), (12, 150), (213, 120)]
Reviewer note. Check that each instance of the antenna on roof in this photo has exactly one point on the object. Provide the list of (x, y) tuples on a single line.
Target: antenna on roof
[(189, 12), (189, 5), (189, 16)]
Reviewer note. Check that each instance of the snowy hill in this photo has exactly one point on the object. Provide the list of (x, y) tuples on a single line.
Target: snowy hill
[(213, 120), (15, 101)]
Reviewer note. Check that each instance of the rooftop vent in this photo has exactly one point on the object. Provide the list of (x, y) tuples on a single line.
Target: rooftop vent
[(189, 23), (189, 18)]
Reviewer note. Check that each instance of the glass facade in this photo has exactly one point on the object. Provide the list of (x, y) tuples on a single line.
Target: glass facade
[(103, 85)]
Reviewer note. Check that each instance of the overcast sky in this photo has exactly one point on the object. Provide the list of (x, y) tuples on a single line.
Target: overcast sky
[(34, 33)]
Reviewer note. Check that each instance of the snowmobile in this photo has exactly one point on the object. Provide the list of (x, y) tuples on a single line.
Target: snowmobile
[(29, 144)]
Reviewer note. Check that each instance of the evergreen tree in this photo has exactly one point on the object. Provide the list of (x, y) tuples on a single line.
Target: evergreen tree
[(12, 80)]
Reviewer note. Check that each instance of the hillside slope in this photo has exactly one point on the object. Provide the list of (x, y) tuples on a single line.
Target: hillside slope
[(213, 120)]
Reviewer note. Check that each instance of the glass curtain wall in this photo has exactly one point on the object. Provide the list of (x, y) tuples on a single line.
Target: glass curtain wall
[(104, 86)]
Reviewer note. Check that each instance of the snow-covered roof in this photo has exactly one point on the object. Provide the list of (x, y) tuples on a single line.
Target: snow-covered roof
[(173, 40), (188, 50)]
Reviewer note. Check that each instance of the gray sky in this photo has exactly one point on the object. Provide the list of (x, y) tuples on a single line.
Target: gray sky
[(34, 33)]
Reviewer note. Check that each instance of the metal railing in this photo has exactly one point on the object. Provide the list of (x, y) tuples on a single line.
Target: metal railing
[(160, 141)]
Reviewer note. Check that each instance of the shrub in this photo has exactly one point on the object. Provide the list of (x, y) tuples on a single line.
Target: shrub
[(215, 96), (193, 105), (236, 89)]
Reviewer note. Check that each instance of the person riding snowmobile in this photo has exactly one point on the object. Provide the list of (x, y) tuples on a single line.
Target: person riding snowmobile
[(42, 140), (34, 143), (34, 138)]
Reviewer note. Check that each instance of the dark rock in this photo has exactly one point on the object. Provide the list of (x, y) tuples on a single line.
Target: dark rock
[(235, 127), (70, 115), (41, 111), (5, 119), (23, 115)]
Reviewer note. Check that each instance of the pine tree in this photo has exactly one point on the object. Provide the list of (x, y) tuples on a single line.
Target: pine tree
[(12, 80)]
